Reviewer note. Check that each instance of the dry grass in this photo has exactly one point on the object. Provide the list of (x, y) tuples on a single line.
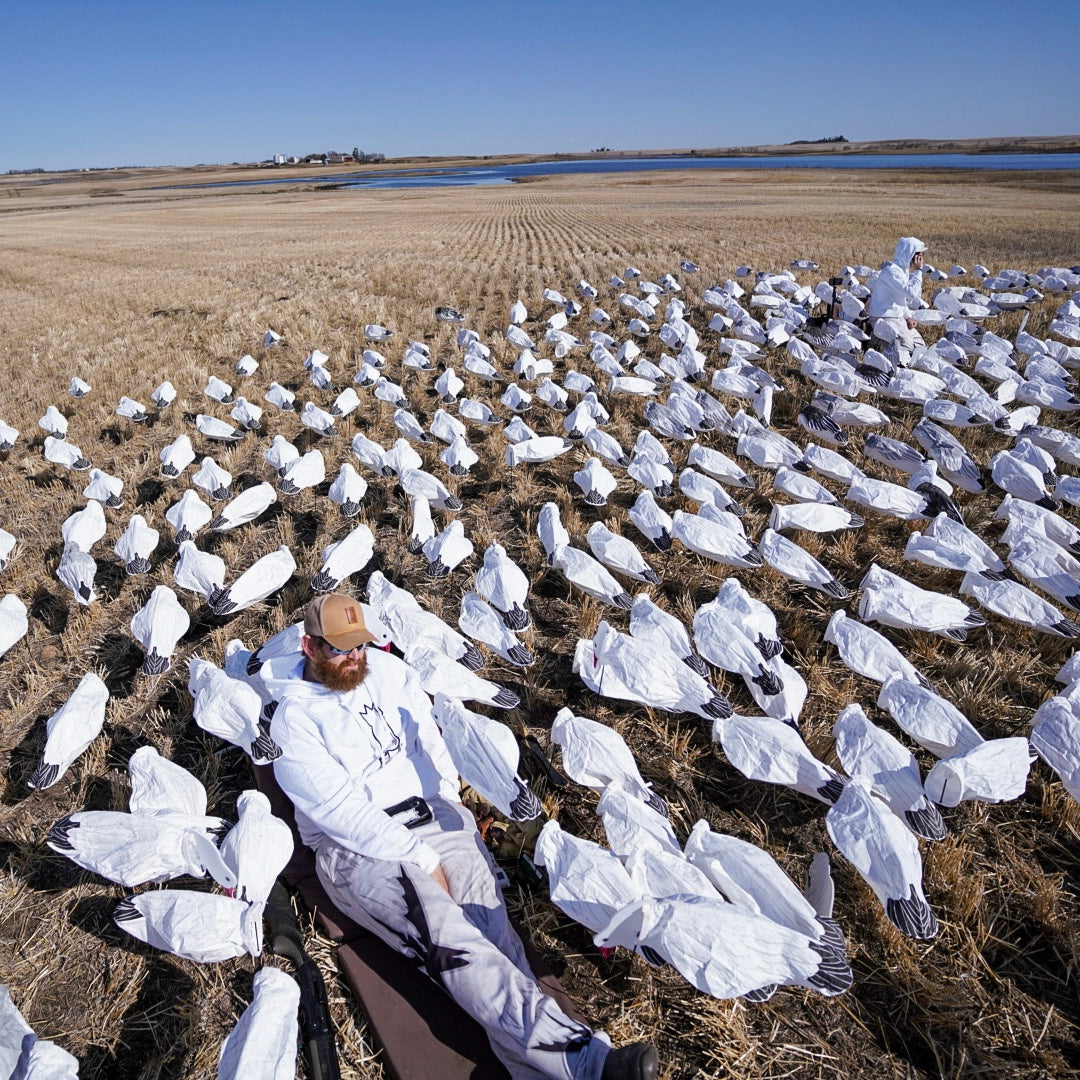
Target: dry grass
[(130, 285)]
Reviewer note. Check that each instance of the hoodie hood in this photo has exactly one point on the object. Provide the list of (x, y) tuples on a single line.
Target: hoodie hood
[(907, 247)]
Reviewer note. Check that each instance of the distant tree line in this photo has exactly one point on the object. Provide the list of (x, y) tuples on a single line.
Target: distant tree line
[(23, 172), (807, 142)]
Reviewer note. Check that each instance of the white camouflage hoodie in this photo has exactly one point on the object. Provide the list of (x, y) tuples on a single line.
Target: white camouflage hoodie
[(347, 757), (897, 288)]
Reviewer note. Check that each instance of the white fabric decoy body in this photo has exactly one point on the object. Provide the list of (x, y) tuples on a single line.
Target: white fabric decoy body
[(84, 528), (401, 456), (866, 750), (550, 530), (176, 457), (306, 471), (213, 479), (754, 618), (722, 642), (928, 718), (8, 435), (257, 848), (1019, 604), (157, 626), (71, 729), (280, 454), (423, 527), (995, 770), (886, 855), (719, 467), (951, 545), (719, 948), (263, 1042), (587, 882), (164, 395), (447, 550), (704, 536), (1021, 479), (616, 665), (162, 789), (868, 652), (539, 449), (655, 476), (486, 756), (439, 674), (480, 621), (213, 428), (229, 709), (204, 927), (60, 452), (219, 390), (800, 487), (348, 490), (77, 571), (54, 423), (788, 558), (650, 623), (812, 517), (505, 586), (892, 600), (705, 490), (134, 849), (418, 482), (619, 554), (199, 571), (762, 748), (257, 582), (590, 576), (7, 545), (318, 420), (187, 516), (343, 558), (1055, 737), (630, 825), (409, 625), (245, 507), (595, 481), (459, 457), (596, 755), (750, 877), (105, 489)]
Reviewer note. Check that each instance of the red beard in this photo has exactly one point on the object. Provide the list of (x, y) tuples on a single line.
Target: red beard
[(342, 676)]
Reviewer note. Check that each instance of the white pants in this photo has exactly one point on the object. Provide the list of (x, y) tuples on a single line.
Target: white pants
[(465, 942)]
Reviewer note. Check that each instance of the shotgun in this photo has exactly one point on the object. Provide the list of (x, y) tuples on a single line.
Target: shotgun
[(287, 941)]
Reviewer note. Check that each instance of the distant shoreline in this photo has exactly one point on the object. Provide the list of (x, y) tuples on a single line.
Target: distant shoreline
[(1020, 144)]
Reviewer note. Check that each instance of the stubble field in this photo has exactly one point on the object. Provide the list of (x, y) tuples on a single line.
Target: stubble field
[(125, 284)]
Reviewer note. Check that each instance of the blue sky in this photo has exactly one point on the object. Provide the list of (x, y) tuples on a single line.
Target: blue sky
[(87, 83)]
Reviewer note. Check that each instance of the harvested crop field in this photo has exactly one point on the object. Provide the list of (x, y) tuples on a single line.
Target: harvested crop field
[(126, 281)]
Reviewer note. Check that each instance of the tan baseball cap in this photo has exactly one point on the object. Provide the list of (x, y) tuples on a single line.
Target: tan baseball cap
[(339, 619)]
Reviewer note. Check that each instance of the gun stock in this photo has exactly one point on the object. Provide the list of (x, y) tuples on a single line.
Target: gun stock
[(287, 941)]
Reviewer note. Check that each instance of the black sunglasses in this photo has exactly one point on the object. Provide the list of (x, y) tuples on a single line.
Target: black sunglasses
[(335, 651)]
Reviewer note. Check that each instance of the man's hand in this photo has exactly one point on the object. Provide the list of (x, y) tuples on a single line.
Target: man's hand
[(912, 323), (440, 878)]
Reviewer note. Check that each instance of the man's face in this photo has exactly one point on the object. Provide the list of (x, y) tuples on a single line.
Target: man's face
[(336, 671)]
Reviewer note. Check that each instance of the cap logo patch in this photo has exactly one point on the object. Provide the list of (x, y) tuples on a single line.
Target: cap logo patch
[(352, 615)]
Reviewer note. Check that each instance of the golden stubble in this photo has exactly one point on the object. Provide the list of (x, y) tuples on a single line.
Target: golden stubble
[(127, 283)]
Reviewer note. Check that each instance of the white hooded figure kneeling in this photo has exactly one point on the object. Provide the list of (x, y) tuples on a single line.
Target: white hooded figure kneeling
[(896, 293)]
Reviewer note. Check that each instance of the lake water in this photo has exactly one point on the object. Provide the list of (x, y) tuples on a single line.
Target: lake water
[(480, 174)]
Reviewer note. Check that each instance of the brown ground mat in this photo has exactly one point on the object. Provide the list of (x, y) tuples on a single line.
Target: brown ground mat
[(421, 1031)]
